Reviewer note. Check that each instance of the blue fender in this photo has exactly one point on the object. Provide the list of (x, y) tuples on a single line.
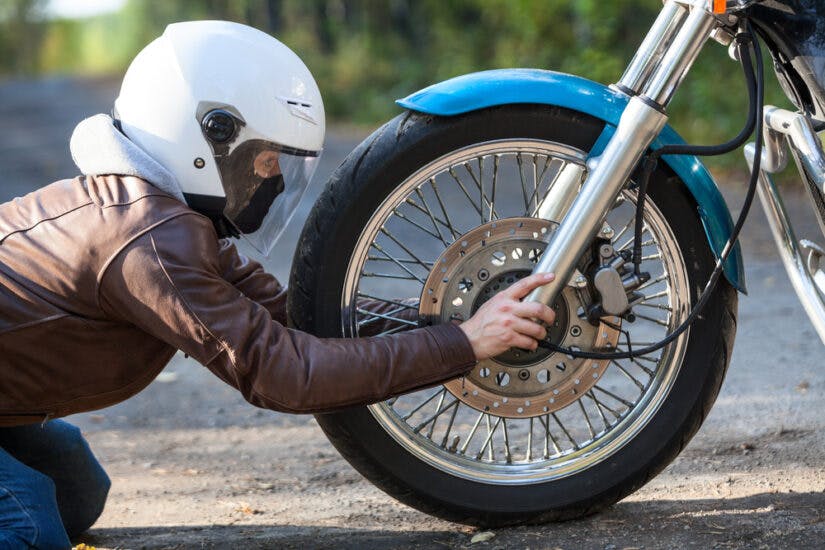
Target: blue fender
[(508, 86)]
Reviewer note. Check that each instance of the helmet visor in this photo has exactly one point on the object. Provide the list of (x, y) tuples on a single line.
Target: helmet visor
[(264, 183)]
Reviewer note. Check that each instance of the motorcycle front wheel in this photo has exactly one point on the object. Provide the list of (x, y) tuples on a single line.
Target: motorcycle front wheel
[(431, 216)]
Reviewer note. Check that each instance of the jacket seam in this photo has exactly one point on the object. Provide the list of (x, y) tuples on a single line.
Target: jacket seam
[(186, 302), (35, 323), (138, 199), (43, 220), (107, 264)]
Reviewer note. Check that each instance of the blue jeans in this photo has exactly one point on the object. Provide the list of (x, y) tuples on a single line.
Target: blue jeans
[(52, 487)]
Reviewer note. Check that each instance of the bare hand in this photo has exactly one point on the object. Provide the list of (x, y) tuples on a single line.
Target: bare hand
[(506, 322)]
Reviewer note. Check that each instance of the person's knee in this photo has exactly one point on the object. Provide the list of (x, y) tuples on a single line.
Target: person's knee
[(85, 509), (82, 483)]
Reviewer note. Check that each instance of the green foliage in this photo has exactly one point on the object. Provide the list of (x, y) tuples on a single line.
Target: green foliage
[(20, 35), (367, 53)]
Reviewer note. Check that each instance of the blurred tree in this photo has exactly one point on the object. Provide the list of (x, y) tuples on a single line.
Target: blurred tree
[(21, 33), (366, 53)]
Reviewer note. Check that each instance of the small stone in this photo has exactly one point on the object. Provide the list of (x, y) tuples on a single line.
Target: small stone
[(166, 377), (484, 536)]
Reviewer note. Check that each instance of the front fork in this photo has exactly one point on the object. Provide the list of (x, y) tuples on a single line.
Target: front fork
[(654, 74)]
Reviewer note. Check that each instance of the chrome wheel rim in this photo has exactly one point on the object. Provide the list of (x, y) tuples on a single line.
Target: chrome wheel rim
[(396, 253)]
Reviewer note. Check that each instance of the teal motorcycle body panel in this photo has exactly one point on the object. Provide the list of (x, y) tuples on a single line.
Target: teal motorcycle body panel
[(480, 90)]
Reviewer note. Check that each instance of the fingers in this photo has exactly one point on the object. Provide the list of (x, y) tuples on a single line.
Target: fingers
[(534, 310), (529, 328), (523, 287), (524, 342)]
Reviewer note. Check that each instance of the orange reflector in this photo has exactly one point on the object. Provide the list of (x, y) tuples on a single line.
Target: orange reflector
[(719, 6)]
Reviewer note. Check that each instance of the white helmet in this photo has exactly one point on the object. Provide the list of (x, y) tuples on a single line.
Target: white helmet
[(234, 115)]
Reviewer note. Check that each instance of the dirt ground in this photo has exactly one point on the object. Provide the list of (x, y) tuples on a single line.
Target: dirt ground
[(194, 466)]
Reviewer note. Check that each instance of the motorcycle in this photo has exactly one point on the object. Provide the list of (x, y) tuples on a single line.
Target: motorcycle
[(490, 176)]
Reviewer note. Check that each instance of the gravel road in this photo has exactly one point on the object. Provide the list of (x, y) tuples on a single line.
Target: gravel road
[(194, 466)]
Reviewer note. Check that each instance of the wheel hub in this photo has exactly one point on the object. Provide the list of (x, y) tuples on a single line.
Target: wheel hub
[(518, 383)]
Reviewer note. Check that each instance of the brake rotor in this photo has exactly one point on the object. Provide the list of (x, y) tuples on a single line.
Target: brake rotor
[(518, 383)]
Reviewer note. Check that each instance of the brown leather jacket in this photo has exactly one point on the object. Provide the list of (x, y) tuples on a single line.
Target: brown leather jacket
[(102, 279)]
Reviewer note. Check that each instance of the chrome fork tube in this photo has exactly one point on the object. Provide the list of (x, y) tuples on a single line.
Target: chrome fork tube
[(680, 56), (640, 123), (653, 47)]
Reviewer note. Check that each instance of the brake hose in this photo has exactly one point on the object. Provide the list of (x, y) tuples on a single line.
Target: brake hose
[(756, 92)]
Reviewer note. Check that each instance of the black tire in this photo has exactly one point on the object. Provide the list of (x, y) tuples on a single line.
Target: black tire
[(356, 189)]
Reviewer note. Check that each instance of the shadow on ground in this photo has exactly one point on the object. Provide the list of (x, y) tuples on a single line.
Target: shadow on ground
[(767, 520)]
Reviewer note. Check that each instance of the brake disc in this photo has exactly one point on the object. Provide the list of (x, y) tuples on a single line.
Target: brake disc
[(518, 383)]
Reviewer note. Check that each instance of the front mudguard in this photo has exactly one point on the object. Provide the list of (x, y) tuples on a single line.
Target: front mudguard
[(510, 86)]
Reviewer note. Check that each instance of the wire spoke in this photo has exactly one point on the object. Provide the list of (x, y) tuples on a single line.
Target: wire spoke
[(438, 236), (564, 430), (523, 184), (621, 400), (423, 210), (448, 223), (661, 294), (472, 433), (628, 375), (655, 306), (382, 316), (651, 319), (489, 440), (529, 454), (385, 300), (601, 407), (508, 456), (390, 276), (430, 214), (586, 419), (403, 261), (548, 437), (598, 409), (380, 249), (432, 418), (652, 282), (534, 198), (496, 160), (449, 426), (452, 173), (477, 181), (427, 266), (423, 404), (624, 229)]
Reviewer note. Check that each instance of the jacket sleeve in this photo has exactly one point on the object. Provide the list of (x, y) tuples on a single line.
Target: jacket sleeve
[(249, 277), (168, 283)]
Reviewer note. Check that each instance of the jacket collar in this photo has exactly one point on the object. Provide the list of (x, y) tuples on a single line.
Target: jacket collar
[(99, 148)]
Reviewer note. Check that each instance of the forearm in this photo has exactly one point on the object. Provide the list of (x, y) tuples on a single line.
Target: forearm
[(304, 374)]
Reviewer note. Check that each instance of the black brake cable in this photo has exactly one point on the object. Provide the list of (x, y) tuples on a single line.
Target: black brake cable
[(756, 85)]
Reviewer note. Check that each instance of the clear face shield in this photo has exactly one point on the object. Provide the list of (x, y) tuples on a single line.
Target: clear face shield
[(264, 183)]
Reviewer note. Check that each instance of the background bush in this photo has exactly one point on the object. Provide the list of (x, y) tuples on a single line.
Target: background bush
[(367, 53)]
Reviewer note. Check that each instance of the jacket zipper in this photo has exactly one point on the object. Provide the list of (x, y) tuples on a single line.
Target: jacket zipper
[(44, 415)]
